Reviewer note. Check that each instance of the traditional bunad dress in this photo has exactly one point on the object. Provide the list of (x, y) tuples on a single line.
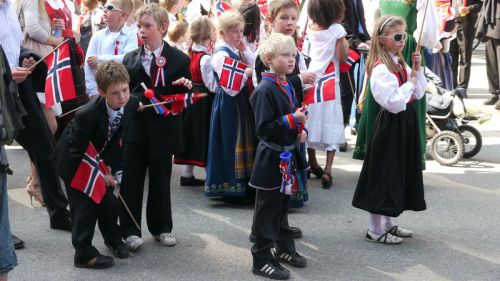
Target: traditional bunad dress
[(325, 124), (391, 178), (231, 148), (196, 118)]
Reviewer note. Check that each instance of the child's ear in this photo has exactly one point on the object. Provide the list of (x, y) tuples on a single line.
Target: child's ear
[(102, 93), (268, 59), (164, 28)]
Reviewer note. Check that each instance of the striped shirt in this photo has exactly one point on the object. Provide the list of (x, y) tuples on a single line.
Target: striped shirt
[(11, 37)]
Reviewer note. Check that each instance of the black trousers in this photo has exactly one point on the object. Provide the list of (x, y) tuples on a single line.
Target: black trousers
[(271, 226), (159, 209), (38, 141), (348, 93), (492, 50), (461, 50), (84, 215)]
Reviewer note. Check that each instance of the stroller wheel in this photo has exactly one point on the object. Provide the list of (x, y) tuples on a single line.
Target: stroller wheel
[(447, 148), (472, 140)]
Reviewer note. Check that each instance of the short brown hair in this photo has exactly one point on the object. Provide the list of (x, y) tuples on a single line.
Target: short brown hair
[(324, 13), (159, 14), (177, 30), (201, 29), (110, 73), (168, 4), (89, 4), (277, 5)]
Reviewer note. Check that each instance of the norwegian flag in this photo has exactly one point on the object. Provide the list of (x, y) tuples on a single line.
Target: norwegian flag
[(89, 177), (352, 57), (264, 7), (183, 101), (324, 90), (221, 7), (59, 85), (232, 74)]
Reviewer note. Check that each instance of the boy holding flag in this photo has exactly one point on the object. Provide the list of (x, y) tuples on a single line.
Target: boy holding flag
[(92, 140)]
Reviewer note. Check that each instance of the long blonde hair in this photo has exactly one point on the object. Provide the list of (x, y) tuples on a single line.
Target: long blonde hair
[(377, 51)]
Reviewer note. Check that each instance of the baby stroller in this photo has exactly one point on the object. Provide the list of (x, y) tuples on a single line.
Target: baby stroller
[(451, 138)]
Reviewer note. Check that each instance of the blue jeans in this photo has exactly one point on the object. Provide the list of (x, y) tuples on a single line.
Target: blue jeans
[(8, 259)]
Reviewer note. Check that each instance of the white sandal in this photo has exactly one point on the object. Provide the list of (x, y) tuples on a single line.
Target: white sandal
[(385, 238), (398, 231)]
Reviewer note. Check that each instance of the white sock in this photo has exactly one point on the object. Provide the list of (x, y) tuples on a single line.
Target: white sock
[(387, 221), (376, 224), (188, 171)]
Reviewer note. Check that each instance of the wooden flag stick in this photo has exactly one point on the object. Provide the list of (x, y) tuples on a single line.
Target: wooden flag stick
[(117, 188), (71, 111), (44, 57)]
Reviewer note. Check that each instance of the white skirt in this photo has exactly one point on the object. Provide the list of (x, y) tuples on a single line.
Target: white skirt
[(56, 107), (325, 124)]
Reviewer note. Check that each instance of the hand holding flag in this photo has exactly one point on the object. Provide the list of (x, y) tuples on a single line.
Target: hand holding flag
[(352, 57), (232, 74), (324, 90)]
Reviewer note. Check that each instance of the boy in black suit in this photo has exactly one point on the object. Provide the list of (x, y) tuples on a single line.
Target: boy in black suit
[(103, 123), (153, 138)]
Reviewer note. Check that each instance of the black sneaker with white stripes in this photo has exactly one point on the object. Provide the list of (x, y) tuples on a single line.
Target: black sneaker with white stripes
[(272, 270), (294, 259)]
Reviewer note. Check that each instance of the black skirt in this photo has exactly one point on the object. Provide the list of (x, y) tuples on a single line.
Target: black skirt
[(196, 130), (391, 178)]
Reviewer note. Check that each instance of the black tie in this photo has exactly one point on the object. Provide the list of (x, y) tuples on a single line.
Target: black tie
[(113, 127), (152, 68)]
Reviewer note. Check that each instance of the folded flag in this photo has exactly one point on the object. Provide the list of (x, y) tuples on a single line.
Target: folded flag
[(232, 74), (59, 85), (221, 7), (352, 57), (182, 101), (89, 177), (324, 90)]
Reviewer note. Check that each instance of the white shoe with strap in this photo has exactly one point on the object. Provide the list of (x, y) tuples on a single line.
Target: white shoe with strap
[(385, 238), (398, 231)]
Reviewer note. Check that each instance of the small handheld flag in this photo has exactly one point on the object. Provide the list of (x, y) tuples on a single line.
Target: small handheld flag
[(324, 90), (352, 57), (221, 7), (232, 74), (59, 85), (89, 177)]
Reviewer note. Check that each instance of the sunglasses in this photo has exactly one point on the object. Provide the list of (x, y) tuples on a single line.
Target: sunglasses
[(397, 37), (111, 8)]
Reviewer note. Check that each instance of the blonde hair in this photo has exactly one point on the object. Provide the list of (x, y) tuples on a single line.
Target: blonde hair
[(168, 4), (201, 29), (111, 73), (229, 21), (177, 30), (159, 14), (275, 44), (89, 4), (377, 51), (126, 6)]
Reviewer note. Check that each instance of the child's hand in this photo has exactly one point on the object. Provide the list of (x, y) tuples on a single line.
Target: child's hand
[(416, 60), (27, 63), (141, 107), (303, 136), (109, 181), (299, 116), (241, 46), (248, 72), (19, 74), (308, 78), (183, 82), (92, 61)]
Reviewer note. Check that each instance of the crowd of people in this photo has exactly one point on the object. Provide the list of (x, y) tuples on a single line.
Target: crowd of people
[(248, 67)]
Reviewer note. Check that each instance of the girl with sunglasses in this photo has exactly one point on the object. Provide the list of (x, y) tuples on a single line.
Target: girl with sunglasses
[(391, 178)]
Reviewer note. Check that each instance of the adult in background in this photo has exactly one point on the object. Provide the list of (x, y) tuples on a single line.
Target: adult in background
[(461, 48), (488, 31)]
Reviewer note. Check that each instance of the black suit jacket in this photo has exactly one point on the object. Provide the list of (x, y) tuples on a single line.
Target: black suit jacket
[(90, 125), (163, 135), (351, 19)]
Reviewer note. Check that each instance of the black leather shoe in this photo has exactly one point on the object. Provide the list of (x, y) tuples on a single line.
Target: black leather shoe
[(297, 233), (272, 271), (120, 252), (61, 225), (343, 147), (293, 259), (18, 243), (492, 100), (101, 262), (192, 181)]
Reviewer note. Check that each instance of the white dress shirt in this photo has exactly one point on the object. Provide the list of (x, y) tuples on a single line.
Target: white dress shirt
[(11, 35), (247, 57), (147, 56), (387, 92), (207, 73), (103, 44)]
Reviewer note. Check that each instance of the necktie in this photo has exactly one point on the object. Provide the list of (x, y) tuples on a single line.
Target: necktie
[(113, 127), (152, 68)]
